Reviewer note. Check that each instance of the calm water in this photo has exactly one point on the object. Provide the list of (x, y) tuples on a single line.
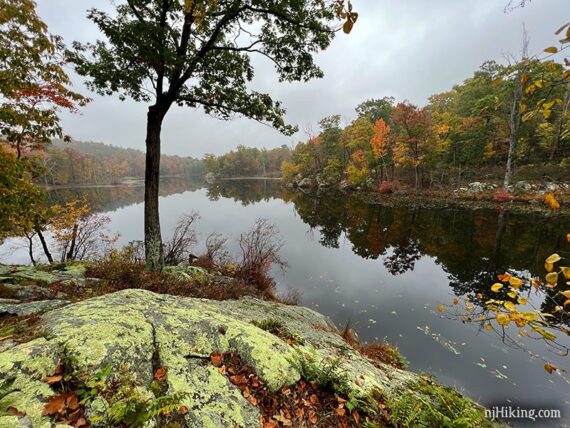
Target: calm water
[(385, 270)]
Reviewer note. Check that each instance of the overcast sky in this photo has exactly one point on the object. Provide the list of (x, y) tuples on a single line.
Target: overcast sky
[(408, 49)]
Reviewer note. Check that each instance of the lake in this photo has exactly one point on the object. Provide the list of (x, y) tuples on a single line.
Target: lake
[(384, 270)]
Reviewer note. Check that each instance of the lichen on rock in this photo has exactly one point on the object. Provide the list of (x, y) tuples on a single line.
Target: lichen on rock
[(137, 328)]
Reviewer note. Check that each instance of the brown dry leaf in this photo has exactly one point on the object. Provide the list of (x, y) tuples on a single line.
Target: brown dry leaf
[(286, 391), (357, 382), (270, 424), (313, 417), (341, 400), (300, 412), (15, 412), (217, 360), (222, 370), (234, 379), (160, 374), (254, 383), (183, 410), (54, 405), (340, 411), (252, 400), (356, 416), (72, 403), (550, 368), (314, 399), (52, 379)]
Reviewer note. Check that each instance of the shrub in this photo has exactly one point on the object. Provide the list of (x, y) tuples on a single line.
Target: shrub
[(386, 187), (260, 249), (502, 196)]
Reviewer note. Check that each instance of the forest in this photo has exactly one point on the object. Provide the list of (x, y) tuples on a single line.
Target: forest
[(248, 162), (504, 119), (96, 163)]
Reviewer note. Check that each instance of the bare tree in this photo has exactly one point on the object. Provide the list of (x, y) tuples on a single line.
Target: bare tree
[(515, 113), (178, 248)]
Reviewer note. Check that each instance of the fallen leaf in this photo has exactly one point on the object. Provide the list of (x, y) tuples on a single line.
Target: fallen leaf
[(550, 368), (52, 379), (341, 411), (356, 416), (160, 374), (54, 405), (313, 417), (15, 412), (440, 308), (183, 410), (314, 399), (300, 412), (217, 360)]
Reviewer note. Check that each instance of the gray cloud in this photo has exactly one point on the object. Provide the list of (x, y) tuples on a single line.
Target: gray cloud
[(407, 49)]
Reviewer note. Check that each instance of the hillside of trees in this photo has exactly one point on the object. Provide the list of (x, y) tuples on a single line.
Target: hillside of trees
[(96, 163), (464, 133), (248, 162)]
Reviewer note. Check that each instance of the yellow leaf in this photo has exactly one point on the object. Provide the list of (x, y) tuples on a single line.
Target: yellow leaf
[(515, 282), (566, 294), (551, 50), (440, 308), (553, 258), (512, 294), (479, 295), (568, 235), (566, 302), (488, 327), (565, 271), (455, 301), (510, 306), (522, 301), (548, 267), (503, 319), (496, 287), (552, 277), (469, 308)]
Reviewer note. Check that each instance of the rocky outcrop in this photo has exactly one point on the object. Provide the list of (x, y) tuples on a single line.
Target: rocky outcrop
[(134, 329)]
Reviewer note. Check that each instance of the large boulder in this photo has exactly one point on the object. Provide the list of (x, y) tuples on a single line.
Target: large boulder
[(136, 330)]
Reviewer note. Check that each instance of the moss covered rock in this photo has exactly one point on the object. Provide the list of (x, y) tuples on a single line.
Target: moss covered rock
[(140, 330)]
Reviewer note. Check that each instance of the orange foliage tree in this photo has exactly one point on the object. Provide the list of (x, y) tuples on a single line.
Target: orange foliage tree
[(412, 137)]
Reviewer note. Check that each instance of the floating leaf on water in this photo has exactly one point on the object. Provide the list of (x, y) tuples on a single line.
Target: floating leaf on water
[(488, 327), (440, 308), (549, 267), (550, 368), (512, 294), (515, 282), (522, 301), (455, 301), (565, 271)]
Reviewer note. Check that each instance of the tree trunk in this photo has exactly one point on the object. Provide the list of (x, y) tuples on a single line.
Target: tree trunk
[(31, 248), (565, 108), (152, 238), (514, 124), (70, 254), (44, 245)]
